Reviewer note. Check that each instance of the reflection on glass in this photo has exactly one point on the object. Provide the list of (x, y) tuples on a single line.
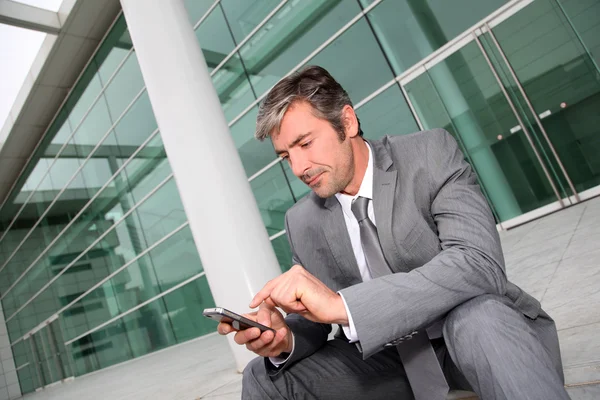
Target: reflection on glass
[(145, 278), (281, 246), (171, 319), (292, 34), (465, 99), (359, 79), (100, 215), (410, 30), (273, 197), (214, 38), (196, 9), (386, 114), (255, 155), (561, 81), (244, 15)]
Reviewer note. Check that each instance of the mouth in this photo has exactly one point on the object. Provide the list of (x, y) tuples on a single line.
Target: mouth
[(315, 179)]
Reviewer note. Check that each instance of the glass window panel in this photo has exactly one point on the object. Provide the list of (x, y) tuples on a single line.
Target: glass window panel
[(114, 49), (214, 38), (144, 279), (93, 128), (135, 127), (281, 246), (61, 132), (387, 114), (254, 154), (410, 30), (292, 34), (461, 95), (583, 15), (243, 15), (197, 8), (141, 332), (273, 197), (359, 79), (128, 239), (96, 219), (183, 306), (84, 96), (562, 83), (126, 84), (233, 88)]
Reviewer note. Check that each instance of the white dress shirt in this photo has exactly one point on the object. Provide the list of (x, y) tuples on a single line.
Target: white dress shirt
[(365, 190)]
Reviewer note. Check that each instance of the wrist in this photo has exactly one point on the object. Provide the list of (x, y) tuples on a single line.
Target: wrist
[(340, 316)]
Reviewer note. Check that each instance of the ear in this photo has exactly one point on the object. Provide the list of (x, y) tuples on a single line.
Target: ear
[(350, 121)]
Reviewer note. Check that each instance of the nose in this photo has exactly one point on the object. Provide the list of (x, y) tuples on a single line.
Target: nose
[(299, 164)]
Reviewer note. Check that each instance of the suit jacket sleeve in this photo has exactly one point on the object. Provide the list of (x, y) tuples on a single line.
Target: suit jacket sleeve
[(308, 336), (470, 262)]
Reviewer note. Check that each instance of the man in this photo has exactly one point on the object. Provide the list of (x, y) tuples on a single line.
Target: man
[(396, 244)]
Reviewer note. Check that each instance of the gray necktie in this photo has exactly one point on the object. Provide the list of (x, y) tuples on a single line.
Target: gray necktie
[(418, 357)]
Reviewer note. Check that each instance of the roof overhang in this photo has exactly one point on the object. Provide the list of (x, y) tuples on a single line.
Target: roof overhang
[(75, 32)]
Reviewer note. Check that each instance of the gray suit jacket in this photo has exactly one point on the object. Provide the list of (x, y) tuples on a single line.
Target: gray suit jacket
[(437, 233)]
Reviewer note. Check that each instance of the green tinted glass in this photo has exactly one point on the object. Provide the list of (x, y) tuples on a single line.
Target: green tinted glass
[(244, 16), (387, 114), (410, 30), (254, 154), (273, 197), (281, 246)]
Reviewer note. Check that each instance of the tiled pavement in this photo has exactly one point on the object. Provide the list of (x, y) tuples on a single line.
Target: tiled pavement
[(556, 259)]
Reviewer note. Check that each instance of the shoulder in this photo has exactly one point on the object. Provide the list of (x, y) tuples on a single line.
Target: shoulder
[(304, 208), (418, 146), (432, 137)]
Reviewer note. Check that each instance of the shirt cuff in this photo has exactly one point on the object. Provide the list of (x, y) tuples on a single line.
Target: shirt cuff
[(350, 329), (279, 361)]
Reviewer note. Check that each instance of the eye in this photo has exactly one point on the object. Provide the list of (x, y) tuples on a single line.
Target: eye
[(306, 144), (285, 157)]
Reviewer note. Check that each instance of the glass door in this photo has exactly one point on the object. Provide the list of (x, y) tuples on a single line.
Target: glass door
[(550, 73), (458, 91), (48, 361)]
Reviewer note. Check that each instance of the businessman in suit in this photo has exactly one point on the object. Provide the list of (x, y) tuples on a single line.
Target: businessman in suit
[(397, 245)]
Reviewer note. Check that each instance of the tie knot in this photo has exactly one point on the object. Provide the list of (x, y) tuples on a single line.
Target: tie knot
[(359, 208)]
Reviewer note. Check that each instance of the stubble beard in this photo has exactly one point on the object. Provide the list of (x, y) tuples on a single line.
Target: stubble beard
[(337, 181)]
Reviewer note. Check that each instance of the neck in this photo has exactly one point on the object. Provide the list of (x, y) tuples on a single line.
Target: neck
[(361, 161)]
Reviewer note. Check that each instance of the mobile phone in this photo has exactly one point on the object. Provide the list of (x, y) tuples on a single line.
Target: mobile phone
[(235, 320)]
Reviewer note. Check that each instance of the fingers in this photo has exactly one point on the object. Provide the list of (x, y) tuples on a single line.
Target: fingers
[(263, 316), (224, 328), (247, 335), (264, 293)]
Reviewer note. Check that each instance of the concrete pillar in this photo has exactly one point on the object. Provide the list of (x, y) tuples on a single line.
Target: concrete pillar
[(224, 218)]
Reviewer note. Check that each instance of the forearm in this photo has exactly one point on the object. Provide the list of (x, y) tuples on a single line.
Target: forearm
[(392, 306)]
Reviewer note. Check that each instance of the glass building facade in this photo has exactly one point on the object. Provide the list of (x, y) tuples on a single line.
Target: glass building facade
[(97, 262)]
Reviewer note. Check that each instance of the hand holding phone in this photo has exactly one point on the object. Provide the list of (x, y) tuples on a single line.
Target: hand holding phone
[(273, 339), (238, 322)]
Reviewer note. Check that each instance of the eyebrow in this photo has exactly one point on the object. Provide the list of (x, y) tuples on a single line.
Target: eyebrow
[(294, 143)]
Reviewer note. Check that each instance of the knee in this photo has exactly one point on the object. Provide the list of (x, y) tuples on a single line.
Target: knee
[(474, 320), (254, 373)]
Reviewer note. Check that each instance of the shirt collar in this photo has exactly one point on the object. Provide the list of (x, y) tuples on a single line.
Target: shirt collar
[(366, 186)]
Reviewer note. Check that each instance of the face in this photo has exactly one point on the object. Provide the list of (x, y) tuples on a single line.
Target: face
[(314, 150)]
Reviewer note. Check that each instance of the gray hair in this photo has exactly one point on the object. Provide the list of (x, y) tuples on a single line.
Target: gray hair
[(312, 84)]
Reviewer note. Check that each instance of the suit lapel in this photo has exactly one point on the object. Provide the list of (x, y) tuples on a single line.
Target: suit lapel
[(336, 233), (384, 194)]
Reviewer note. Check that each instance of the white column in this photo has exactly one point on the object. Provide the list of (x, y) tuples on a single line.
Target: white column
[(224, 218)]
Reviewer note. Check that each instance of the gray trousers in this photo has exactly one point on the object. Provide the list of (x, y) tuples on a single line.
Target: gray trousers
[(488, 347)]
